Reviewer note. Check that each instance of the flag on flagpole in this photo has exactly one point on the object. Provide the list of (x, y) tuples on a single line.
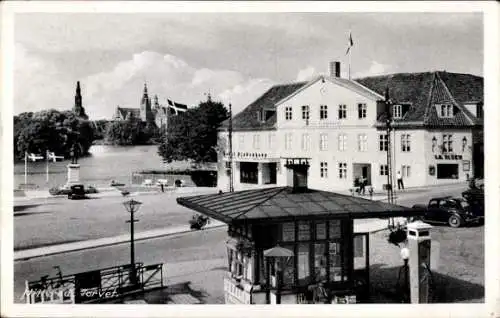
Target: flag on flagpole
[(350, 44)]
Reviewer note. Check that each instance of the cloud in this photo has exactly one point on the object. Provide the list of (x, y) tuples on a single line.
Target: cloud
[(375, 68), (40, 86), (306, 74), (243, 94)]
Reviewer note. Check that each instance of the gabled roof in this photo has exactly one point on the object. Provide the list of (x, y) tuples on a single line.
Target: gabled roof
[(281, 204), (136, 112), (350, 85), (423, 90), (247, 118)]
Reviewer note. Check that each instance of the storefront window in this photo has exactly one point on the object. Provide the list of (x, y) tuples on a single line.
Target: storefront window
[(321, 231), (334, 230), (304, 231), (304, 275), (288, 270), (319, 262), (335, 262), (288, 232), (248, 172)]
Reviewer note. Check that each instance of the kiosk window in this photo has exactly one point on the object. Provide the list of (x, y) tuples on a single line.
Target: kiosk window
[(335, 262), (304, 231), (304, 275), (288, 232), (288, 271), (334, 230), (321, 231), (319, 262)]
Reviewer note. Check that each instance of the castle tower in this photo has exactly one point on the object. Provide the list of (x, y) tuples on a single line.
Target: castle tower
[(156, 104), (146, 113), (78, 108)]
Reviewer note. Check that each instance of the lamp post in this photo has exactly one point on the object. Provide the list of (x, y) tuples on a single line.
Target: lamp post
[(280, 255), (132, 206)]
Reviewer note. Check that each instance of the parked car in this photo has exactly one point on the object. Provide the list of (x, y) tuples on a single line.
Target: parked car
[(452, 211), (77, 191)]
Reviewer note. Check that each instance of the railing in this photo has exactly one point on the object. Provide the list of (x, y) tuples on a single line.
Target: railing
[(94, 286), (234, 292)]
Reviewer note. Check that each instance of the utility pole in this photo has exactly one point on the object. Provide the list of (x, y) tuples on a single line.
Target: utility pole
[(231, 178), (390, 193)]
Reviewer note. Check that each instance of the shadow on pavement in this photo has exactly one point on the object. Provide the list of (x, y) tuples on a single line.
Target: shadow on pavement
[(25, 207), (29, 213), (447, 289)]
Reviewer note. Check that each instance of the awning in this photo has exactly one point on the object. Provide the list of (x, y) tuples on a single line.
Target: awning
[(282, 204)]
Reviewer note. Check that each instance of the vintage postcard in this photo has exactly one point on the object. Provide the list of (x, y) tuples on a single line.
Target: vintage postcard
[(250, 153)]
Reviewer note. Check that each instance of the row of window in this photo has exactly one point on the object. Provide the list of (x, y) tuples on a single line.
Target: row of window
[(362, 142), (342, 170), (323, 112)]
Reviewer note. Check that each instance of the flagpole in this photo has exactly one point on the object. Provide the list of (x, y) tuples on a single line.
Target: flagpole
[(47, 167), (350, 63), (25, 167)]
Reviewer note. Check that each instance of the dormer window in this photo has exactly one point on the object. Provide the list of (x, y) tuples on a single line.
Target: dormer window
[(260, 118), (397, 111), (445, 110)]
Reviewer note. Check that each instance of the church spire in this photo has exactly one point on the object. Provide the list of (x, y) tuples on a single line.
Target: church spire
[(78, 107), (78, 98)]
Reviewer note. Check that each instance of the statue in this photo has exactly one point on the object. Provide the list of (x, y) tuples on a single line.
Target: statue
[(75, 153)]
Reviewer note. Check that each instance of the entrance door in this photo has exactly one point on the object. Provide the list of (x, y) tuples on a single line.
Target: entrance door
[(361, 266), (365, 172), (272, 173)]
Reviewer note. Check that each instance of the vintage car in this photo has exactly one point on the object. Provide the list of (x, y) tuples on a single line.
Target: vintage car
[(452, 211), (77, 191)]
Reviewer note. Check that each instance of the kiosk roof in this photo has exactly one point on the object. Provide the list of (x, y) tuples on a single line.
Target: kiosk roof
[(281, 204)]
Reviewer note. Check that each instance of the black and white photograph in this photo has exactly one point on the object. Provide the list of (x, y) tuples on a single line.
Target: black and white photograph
[(249, 153)]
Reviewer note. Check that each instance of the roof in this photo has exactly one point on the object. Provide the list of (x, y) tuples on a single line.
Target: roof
[(136, 112), (351, 85), (247, 118), (423, 90), (281, 204)]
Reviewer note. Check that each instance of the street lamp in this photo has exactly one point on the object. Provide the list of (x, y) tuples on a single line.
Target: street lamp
[(281, 256), (132, 206)]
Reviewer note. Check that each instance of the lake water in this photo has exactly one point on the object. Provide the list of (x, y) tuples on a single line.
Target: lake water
[(105, 163)]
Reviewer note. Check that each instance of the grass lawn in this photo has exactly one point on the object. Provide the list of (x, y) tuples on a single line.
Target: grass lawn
[(460, 273)]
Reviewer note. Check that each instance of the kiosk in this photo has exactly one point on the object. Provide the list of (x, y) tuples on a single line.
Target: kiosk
[(290, 245)]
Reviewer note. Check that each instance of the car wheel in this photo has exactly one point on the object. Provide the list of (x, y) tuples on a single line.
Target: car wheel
[(455, 221)]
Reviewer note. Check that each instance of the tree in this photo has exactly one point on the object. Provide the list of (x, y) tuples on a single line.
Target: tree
[(50, 130), (192, 135), (130, 132)]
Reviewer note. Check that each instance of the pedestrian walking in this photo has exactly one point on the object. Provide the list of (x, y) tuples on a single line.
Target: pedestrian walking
[(400, 181), (162, 187), (362, 183)]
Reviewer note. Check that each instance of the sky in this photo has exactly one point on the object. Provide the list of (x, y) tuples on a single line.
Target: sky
[(235, 57)]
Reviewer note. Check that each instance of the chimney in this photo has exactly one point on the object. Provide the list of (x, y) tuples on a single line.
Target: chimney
[(297, 173), (335, 69)]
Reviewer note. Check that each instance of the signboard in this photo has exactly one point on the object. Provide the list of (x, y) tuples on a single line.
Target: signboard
[(334, 230), (288, 232), (321, 231), (466, 165), (304, 231), (448, 157)]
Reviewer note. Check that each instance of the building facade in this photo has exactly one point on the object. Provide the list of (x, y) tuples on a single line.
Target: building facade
[(151, 112), (340, 125)]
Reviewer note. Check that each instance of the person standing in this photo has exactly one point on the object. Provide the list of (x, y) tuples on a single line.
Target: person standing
[(362, 185), (400, 181)]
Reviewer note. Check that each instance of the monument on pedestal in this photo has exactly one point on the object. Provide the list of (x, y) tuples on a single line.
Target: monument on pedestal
[(73, 167)]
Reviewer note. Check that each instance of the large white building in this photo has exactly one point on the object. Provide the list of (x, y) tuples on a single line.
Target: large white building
[(340, 125)]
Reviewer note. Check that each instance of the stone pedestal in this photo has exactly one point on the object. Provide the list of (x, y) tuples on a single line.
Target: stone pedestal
[(73, 173)]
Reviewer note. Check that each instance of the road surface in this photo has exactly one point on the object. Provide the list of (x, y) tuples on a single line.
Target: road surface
[(59, 220)]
